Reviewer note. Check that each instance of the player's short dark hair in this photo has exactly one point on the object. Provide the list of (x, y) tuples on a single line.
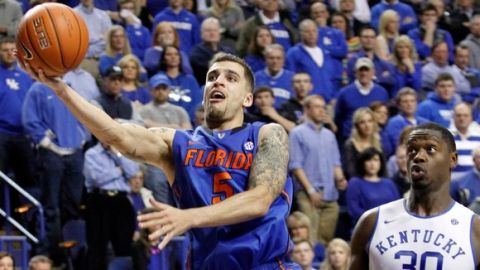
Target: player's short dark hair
[(445, 134), (444, 77), (366, 155), (226, 57)]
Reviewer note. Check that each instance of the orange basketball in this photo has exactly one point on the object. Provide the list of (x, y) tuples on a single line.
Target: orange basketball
[(52, 37)]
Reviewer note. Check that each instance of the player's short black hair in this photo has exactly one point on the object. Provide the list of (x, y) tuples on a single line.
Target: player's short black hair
[(445, 134), (226, 57), (366, 155)]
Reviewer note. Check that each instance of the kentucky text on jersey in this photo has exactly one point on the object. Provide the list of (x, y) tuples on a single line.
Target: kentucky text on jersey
[(438, 241), (219, 158)]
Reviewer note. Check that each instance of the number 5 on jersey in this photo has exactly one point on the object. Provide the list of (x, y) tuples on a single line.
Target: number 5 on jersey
[(221, 187)]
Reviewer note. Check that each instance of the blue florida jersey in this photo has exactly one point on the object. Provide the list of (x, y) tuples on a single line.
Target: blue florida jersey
[(212, 166)]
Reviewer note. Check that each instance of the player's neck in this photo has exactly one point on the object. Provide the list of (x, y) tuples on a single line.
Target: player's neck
[(428, 203), (224, 125)]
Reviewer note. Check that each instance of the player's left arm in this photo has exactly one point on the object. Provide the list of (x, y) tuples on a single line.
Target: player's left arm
[(266, 181), (476, 239)]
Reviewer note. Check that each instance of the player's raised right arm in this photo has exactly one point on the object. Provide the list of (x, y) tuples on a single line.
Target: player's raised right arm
[(136, 142)]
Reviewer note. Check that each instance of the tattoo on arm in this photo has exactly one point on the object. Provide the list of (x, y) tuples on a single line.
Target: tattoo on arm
[(271, 162)]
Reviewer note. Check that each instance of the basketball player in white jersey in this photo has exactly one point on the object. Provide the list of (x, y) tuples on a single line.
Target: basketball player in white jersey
[(428, 229)]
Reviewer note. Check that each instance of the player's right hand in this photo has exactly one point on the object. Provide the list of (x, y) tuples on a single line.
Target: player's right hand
[(55, 83)]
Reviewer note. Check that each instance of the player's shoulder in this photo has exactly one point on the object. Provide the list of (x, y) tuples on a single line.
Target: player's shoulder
[(368, 220), (274, 132)]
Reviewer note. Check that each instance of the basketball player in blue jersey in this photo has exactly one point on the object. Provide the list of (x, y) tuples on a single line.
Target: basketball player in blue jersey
[(428, 229), (230, 179)]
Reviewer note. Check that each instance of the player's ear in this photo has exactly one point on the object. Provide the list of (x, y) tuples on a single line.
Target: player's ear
[(453, 160), (248, 100)]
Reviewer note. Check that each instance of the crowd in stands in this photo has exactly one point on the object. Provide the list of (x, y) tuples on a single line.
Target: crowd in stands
[(345, 78)]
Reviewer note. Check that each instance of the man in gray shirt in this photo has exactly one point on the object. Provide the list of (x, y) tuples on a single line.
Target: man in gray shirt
[(159, 112)]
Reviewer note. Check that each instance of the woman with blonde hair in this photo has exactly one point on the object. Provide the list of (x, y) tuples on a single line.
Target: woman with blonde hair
[(132, 87), (364, 135), (117, 47), (164, 35), (388, 30), (407, 69), (300, 227), (339, 255)]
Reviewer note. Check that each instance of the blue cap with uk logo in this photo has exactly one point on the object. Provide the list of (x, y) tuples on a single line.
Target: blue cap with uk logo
[(158, 80)]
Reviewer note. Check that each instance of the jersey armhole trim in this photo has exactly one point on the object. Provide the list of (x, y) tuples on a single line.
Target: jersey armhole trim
[(372, 233), (474, 254)]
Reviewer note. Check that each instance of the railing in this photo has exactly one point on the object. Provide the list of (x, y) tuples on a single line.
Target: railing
[(6, 213)]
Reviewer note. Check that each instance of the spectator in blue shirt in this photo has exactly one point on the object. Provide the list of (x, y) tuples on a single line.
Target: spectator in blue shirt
[(98, 24), (109, 214), (369, 189), (165, 34), (360, 93), (138, 35), (84, 83), (185, 91), (255, 57), (428, 34), (59, 138), (312, 146), (132, 87), (407, 70), (438, 65), (384, 72), (203, 52), (408, 18), (278, 22), (16, 152), (117, 47), (292, 109), (185, 22), (275, 76), (438, 107), (331, 40), (407, 107), (466, 189), (308, 57), (467, 78)]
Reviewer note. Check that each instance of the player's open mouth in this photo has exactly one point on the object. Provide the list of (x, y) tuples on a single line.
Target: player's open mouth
[(417, 171), (216, 96)]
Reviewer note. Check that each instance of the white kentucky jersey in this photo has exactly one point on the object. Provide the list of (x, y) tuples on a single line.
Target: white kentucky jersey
[(403, 240)]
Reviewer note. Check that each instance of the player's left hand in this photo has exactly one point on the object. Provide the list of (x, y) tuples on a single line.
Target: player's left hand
[(166, 222)]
